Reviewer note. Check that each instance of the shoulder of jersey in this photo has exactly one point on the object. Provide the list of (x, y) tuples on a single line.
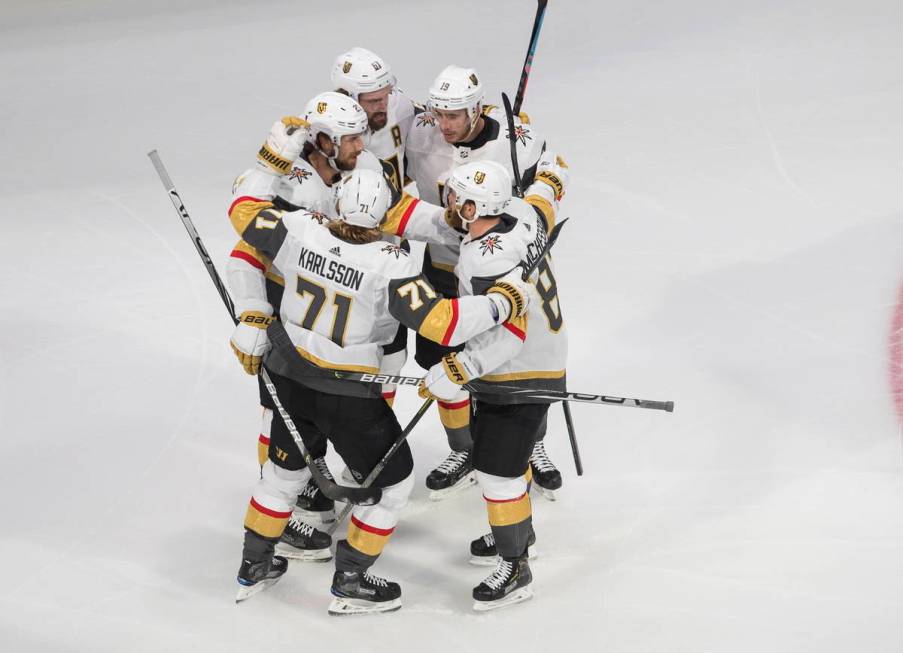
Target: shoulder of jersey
[(302, 220), (301, 172), (493, 253), (367, 160), (529, 141), (403, 106), (391, 260)]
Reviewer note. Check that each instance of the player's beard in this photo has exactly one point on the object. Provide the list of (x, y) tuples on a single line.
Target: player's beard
[(347, 163), (378, 120)]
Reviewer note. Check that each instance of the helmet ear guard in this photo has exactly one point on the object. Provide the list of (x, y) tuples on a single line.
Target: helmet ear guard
[(486, 184)]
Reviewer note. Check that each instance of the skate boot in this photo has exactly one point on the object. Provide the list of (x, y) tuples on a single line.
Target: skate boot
[(360, 592), (508, 584), (452, 476), (256, 576), (546, 477), (312, 504), (483, 551), (301, 541)]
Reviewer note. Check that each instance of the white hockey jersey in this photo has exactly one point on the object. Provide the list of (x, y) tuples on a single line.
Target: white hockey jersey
[(389, 143), (532, 353), (430, 161)]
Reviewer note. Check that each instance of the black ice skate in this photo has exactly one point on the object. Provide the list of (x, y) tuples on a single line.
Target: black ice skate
[(301, 541), (360, 592), (452, 476), (484, 553), (256, 576), (313, 504), (508, 584), (546, 477)]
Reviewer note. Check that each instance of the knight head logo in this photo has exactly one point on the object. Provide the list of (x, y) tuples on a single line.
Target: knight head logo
[(474, 80), (321, 107), (346, 67), (479, 177)]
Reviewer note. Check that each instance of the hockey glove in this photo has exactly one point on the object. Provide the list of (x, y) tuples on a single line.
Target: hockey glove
[(283, 145), (445, 378), (249, 340), (553, 171), (511, 295)]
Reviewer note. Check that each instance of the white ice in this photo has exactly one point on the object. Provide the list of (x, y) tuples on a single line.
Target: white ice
[(735, 245)]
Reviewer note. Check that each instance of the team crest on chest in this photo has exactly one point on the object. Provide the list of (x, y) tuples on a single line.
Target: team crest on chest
[(426, 119), (522, 134), (489, 244), (300, 174), (391, 249)]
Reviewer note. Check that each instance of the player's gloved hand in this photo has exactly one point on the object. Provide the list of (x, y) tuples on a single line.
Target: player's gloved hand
[(249, 340), (283, 145), (552, 170), (445, 378), (511, 295)]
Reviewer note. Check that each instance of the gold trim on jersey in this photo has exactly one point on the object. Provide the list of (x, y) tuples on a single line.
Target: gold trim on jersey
[(243, 213), (437, 322), (520, 376), (275, 278), (508, 513), (319, 362), (442, 266), (545, 207), (397, 216)]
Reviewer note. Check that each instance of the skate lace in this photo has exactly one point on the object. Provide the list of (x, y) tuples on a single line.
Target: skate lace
[(310, 489), (298, 525), (375, 580), (500, 576), (489, 539), (454, 461), (540, 458), (324, 469)]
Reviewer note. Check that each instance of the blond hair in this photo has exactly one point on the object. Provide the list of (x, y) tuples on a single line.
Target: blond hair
[(352, 233)]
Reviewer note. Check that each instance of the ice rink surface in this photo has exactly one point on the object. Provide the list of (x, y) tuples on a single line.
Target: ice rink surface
[(735, 246)]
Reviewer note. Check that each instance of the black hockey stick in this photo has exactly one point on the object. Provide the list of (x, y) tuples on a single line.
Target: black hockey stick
[(572, 436), (331, 489), (531, 51), (375, 472)]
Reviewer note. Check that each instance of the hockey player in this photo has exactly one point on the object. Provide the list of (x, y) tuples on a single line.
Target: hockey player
[(459, 128), (342, 269), (527, 351), (368, 79), (337, 127)]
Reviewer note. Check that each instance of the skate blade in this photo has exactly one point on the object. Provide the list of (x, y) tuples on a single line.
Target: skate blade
[(492, 561), (247, 591), (305, 555), (341, 606), (324, 517), (551, 495), (517, 596), (457, 488)]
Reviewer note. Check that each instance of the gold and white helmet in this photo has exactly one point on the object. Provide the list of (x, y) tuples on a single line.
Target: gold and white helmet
[(458, 88), (335, 115), (486, 184), (361, 71)]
